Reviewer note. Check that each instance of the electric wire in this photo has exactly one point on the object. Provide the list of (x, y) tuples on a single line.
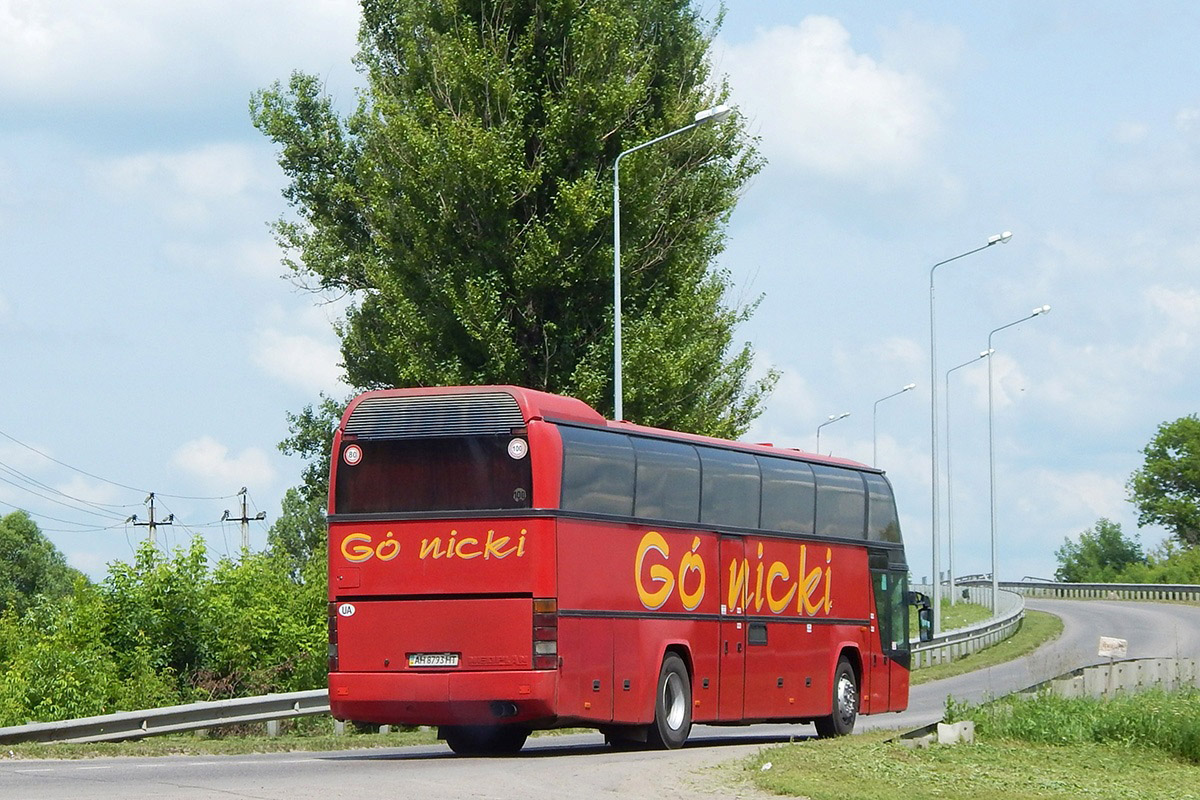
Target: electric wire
[(106, 480)]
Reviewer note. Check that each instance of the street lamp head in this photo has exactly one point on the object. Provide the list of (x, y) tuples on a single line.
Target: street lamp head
[(1041, 310), (713, 114), (986, 353), (999, 238), (909, 387)]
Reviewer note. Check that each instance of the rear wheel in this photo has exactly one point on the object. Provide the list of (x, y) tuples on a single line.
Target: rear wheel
[(672, 705), (484, 740), (845, 703)]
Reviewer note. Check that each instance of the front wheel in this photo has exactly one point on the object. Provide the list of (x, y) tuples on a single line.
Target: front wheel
[(484, 740), (845, 703), (672, 705)]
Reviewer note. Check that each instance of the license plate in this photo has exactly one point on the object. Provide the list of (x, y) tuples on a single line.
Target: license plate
[(433, 659)]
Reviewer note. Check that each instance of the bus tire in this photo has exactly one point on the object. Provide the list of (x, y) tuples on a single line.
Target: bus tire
[(845, 703), (672, 705), (484, 740)]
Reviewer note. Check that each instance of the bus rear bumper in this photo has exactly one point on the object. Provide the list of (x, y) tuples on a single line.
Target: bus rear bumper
[(443, 698)]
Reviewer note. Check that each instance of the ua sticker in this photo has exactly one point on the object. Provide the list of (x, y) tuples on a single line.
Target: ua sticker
[(346, 610)]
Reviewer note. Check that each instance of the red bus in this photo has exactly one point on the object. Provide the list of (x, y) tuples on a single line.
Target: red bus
[(503, 560)]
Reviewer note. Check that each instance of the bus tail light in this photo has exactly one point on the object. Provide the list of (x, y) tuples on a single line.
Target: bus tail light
[(545, 633), (333, 639)]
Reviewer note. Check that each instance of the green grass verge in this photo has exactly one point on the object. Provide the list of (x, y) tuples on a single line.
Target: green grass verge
[(867, 768), (1037, 628), (193, 745)]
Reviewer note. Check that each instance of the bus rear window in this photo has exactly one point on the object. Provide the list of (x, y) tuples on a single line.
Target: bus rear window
[(442, 474)]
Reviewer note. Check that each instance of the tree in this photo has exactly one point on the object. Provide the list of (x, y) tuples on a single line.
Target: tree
[(30, 564), (1166, 490), (300, 532), (465, 206), (1101, 555)]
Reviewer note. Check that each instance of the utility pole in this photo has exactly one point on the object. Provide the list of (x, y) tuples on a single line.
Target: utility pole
[(244, 519), (153, 524)]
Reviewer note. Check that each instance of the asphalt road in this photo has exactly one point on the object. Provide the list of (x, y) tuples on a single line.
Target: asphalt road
[(580, 766)]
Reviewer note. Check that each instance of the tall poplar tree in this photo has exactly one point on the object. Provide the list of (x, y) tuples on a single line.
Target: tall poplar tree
[(466, 204)]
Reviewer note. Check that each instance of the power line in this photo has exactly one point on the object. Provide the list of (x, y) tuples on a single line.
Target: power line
[(106, 480), (104, 513)]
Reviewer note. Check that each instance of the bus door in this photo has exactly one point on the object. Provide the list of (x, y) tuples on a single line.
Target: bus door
[(734, 587), (888, 681)]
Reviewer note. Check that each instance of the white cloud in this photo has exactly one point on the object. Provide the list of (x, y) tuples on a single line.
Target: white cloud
[(211, 461), (301, 359), (823, 107), (190, 188), (90, 490), (1131, 132), (140, 52), (1070, 495), (1187, 120)]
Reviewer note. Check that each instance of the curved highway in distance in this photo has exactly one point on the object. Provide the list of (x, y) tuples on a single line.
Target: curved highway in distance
[(580, 765)]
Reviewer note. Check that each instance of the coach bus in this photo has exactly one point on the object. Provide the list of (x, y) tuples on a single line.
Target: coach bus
[(503, 560)]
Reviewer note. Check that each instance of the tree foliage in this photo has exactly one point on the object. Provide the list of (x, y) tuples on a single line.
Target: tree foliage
[(465, 205), (30, 564), (1166, 489), (1102, 554), (164, 629)]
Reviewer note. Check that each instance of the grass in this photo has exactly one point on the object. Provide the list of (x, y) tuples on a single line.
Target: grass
[(1037, 628), (1145, 747), (308, 734)]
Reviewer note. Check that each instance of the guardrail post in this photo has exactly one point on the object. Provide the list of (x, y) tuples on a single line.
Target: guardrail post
[(273, 728)]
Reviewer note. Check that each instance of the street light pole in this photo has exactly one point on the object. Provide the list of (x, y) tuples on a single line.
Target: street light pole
[(1037, 312), (949, 484), (874, 413), (999, 238), (702, 117), (832, 419)]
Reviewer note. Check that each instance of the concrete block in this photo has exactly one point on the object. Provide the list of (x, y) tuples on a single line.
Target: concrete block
[(956, 733)]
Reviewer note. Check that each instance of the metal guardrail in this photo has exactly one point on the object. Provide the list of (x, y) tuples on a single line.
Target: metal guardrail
[(1106, 591), (955, 644), (172, 719)]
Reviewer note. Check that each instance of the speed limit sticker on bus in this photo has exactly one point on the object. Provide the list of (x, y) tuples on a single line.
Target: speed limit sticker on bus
[(352, 455)]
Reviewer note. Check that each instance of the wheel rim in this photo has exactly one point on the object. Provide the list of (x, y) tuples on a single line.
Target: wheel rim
[(847, 696), (674, 703)]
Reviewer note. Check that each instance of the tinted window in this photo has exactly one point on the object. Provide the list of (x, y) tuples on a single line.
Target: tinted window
[(443, 474), (882, 523), (668, 481), (597, 471), (841, 503), (731, 488), (788, 495)]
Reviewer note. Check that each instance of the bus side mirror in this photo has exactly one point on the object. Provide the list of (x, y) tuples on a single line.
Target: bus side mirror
[(925, 623), (924, 615)]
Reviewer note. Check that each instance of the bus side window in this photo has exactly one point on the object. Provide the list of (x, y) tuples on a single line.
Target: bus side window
[(731, 488), (668, 481), (841, 503), (598, 471), (883, 525), (788, 495)]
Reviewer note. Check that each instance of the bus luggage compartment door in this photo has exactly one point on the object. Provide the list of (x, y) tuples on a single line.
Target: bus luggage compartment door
[(473, 634)]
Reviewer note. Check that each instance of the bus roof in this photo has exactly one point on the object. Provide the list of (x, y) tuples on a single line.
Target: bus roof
[(535, 405)]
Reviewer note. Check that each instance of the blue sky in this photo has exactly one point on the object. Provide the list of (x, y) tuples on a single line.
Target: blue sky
[(147, 338)]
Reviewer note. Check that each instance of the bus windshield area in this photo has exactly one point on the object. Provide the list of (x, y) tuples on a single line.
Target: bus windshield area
[(462, 473)]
